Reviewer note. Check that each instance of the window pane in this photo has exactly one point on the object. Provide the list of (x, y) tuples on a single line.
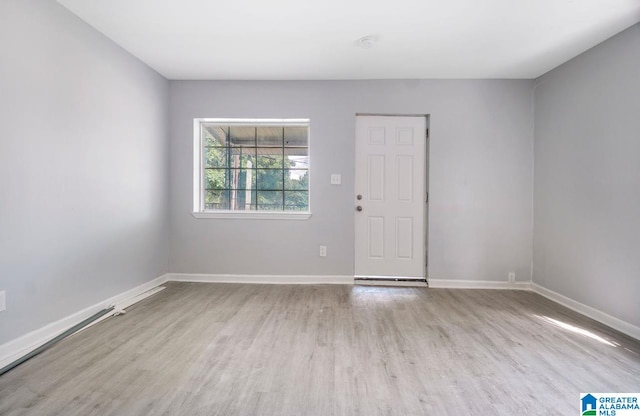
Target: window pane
[(296, 201), (248, 197), (245, 179), (270, 136), (242, 199), (215, 157), (231, 179), (242, 179), (222, 157), (296, 179), (214, 135), (296, 136), (270, 157), (270, 179), (298, 160), (242, 157), (242, 136), (215, 179), (270, 200), (216, 200)]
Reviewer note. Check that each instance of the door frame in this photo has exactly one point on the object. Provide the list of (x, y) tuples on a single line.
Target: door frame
[(425, 196)]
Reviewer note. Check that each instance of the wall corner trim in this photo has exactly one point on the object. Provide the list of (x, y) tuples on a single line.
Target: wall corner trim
[(14, 349), (588, 311)]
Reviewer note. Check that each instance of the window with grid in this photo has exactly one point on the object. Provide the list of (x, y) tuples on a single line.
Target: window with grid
[(253, 165)]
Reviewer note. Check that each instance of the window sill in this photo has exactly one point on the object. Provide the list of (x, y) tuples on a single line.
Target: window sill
[(235, 215)]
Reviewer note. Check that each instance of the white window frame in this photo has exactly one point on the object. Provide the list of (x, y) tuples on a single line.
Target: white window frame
[(198, 171)]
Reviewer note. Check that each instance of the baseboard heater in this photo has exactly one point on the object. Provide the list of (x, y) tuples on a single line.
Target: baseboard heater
[(390, 279), (60, 337), (117, 308)]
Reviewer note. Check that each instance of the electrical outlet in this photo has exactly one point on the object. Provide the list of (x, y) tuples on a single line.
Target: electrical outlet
[(3, 300), (323, 251), (512, 277)]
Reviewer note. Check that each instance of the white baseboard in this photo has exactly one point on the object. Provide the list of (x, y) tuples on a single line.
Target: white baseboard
[(15, 349), (595, 314), (264, 279), (477, 284)]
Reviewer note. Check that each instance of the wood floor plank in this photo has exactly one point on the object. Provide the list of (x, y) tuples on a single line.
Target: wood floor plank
[(232, 349)]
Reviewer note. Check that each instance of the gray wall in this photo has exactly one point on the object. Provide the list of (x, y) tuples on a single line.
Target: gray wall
[(480, 176), (587, 178), (83, 167)]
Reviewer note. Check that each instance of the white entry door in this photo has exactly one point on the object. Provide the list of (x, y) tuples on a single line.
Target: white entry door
[(390, 195)]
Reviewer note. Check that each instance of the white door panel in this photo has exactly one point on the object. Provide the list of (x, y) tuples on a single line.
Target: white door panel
[(390, 177)]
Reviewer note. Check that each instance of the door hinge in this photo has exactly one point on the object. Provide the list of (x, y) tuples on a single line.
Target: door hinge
[(427, 133), (427, 201)]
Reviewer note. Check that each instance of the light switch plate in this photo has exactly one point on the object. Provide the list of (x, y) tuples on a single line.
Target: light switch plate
[(3, 300), (336, 179)]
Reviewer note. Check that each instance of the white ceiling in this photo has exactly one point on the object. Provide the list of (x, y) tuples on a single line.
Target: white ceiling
[(315, 39)]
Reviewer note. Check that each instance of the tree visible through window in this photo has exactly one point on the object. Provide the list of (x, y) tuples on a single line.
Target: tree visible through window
[(257, 167)]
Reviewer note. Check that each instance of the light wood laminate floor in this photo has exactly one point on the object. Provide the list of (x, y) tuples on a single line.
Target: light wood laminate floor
[(232, 349)]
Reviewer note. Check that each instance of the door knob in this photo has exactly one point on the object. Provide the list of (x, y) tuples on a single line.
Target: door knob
[(359, 197), (358, 208)]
